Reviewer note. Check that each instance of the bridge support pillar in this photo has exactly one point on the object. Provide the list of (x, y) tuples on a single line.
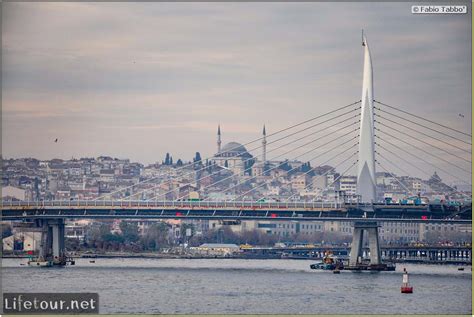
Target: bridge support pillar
[(52, 247), (372, 229), (58, 240)]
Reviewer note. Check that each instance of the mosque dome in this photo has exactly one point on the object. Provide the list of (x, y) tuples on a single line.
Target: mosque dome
[(233, 149)]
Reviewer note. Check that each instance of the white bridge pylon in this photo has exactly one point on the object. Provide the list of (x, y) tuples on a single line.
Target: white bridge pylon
[(366, 183)]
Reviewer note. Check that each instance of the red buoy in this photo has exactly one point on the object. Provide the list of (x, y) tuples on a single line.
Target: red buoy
[(406, 288)]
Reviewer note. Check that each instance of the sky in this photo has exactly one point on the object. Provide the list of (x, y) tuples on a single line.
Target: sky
[(137, 80)]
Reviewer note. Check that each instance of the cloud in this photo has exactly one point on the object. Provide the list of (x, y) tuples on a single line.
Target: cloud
[(106, 75)]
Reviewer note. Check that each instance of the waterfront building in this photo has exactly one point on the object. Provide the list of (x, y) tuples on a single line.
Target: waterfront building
[(76, 229), (399, 232)]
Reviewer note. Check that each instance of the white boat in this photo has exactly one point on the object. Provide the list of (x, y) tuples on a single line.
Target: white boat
[(38, 263)]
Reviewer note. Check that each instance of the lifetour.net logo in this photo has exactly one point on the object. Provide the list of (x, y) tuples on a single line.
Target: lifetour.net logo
[(50, 303)]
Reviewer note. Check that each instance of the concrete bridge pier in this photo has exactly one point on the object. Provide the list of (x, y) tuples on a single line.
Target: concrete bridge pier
[(372, 229), (52, 247)]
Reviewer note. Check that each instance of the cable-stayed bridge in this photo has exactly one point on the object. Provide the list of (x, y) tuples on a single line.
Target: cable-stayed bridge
[(330, 138), (361, 136)]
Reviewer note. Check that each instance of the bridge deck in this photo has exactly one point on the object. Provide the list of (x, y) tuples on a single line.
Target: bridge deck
[(231, 210)]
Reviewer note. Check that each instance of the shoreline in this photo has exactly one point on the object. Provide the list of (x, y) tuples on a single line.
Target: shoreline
[(194, 257)]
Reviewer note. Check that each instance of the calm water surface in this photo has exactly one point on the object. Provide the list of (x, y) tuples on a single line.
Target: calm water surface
[(216, 286)]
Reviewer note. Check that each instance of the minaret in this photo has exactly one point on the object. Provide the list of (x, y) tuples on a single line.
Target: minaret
[(264, 146), (219, 142), (366, 184)]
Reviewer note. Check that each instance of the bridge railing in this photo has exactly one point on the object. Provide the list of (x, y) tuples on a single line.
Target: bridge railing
[(194, 204), (174, 204)]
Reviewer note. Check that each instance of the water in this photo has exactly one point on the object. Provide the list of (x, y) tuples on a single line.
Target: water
[(230, 286)]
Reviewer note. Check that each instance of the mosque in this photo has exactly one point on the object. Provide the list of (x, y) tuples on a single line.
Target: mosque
[(235, 157)]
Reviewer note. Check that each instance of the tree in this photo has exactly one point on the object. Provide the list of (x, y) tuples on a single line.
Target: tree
[(197, 158), (104, 230), (156, 236), (435, 179), (92, 235), (285, 166), (114, 237), (129, 231), (306, 168)]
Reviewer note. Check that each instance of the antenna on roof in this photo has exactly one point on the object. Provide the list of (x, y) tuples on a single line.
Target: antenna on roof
[(363, 41)]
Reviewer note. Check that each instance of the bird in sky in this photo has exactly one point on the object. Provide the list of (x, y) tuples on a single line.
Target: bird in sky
[(56, 141)]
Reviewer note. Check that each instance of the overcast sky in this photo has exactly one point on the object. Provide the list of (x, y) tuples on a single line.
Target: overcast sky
[(137, 80)]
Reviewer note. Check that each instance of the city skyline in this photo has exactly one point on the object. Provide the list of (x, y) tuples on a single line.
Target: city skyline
[(99, 81)]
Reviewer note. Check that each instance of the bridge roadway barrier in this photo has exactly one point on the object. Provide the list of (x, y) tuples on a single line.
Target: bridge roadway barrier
[(426, 254)]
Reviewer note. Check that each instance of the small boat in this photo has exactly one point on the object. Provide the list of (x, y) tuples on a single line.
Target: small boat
[(329, 262), (39, 263), (323, 266)]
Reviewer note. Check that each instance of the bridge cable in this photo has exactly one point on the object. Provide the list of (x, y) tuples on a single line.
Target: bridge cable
[(243, 181), (387, 171), (412, 165), (249, 168), (404, 171), (421, 141), (342, 174), (430, 154), (398, 181), (270, 135), (318, 176), (414, 115), (274, 149), (427, 135), (421, 125), (273, 158), (410, 153), (245, 193), (455, 191), (277, 166)]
